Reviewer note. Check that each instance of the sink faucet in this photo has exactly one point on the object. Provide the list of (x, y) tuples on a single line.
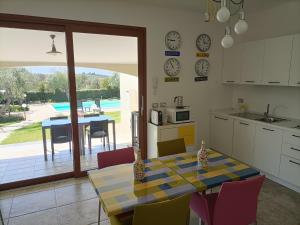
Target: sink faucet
[(268, 110)]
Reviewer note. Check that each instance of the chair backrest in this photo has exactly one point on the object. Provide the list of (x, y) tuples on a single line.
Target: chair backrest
[(112, 158), (170, 212), (79, 104), (171, 147), (97, 102), (237, 202), (96, 126), (58, 117), (61, 133), (91, 115)]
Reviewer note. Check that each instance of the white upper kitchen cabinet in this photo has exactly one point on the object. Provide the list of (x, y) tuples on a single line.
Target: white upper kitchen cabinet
[(252, 62), (295, 64), (268, 142), (243, 141), (277, 60), (231, 65), (221, 134)]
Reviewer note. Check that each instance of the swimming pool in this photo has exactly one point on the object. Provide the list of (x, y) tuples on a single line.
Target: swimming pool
[(105, 104)]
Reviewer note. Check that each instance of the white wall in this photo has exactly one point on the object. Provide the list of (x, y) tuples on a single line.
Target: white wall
[(201, 96), (282, 19)]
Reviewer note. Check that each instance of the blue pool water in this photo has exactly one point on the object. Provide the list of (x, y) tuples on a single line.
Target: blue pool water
[(105, 104)]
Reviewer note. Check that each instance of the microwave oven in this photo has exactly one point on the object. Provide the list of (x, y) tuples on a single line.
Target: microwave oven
[(179, 115)]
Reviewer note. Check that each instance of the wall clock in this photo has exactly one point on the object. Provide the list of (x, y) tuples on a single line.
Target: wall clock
[(173, 40), (202, 67), (203, 42), (172, 67)]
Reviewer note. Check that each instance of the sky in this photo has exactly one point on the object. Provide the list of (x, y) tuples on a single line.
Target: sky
[(78, 70)]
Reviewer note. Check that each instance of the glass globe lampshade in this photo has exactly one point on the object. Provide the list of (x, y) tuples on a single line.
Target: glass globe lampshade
[(227, 40), (223, 13), (241, 26)]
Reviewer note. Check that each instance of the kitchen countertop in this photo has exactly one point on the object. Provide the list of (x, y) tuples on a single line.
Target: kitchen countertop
[(289, 124)]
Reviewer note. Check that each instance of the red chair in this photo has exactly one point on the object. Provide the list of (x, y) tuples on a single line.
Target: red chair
[(112, 158), (235, 204)]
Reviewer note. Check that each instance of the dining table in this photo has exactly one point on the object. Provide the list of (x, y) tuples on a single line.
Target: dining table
[(165, 178), (82, 122)]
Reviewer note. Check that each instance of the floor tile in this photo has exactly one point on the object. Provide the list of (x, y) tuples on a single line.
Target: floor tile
[(46, 217), (5, 206), (33, 202), (74, 193), (80, 213)]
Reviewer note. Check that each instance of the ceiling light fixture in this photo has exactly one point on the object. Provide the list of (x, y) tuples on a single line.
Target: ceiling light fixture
[(227, 10), (227, 40), (53, 50)]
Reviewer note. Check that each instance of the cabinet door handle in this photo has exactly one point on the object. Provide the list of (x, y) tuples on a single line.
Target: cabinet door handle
[(249, 81), (294, 162), (220, 118), (267, 129), (244, 123), (274, 82), (295, 149), (296, 136), (229, 81)]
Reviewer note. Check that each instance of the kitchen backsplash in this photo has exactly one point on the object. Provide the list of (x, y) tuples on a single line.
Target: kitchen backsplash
[(284, 101)]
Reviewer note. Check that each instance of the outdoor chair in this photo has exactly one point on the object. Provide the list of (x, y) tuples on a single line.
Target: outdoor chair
[(98, 104), (98, 129), (60, 134), (171, 147)]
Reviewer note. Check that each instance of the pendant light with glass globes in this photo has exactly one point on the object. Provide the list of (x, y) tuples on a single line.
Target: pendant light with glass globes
[(225, 13)]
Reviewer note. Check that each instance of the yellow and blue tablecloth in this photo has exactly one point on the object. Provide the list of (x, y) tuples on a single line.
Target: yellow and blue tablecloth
[(166, 177), (220, 169), (119, 192)]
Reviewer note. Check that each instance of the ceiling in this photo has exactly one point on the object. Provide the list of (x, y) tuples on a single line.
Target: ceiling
[(200, 5), (30, 47)]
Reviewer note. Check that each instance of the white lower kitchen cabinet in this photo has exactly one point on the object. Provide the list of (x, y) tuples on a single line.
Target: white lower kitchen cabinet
[(290, 170), (243, 141), (167, 132), (268, 143), (221, 135)]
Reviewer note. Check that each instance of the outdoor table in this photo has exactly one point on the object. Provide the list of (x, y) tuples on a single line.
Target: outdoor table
[(166, 177), (82, 122)]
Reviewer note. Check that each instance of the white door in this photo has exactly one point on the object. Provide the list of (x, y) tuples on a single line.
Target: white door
[(252, 62), (268, 142), (277, 60), (295, 64), (231, 65), (221, 134), (243, 141)]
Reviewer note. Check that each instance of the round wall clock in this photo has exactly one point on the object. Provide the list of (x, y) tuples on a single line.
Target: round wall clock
[(202, 67), (173, 40), (172, 67), (203, 42)]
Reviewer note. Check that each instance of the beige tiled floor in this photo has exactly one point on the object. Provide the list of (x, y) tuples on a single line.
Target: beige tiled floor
[(74, 202)]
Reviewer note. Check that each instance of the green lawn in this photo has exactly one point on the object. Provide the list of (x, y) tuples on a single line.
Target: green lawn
[(33, 132)]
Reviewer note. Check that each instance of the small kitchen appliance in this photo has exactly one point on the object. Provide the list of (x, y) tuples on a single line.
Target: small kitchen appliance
[(179, 115), (157, 117)]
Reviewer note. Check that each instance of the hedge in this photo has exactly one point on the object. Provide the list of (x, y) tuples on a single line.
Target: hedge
[(59, 96)]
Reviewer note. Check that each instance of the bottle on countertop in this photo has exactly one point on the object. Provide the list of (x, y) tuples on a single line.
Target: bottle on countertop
[(202, 155), (138, 166)]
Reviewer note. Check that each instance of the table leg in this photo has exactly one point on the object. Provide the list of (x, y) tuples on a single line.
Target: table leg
[(114, 134), (44, 143), (99, 212)]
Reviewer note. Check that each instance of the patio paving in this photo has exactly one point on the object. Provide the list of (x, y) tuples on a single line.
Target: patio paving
[(26, 160)]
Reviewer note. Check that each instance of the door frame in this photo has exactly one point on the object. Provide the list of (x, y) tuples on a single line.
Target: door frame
[(70, 26)]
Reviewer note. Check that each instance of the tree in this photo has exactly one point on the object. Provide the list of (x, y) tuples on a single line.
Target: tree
[(12, 86), (112, 82)]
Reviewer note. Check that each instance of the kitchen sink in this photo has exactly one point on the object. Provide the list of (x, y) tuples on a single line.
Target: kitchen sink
[(271, 119)]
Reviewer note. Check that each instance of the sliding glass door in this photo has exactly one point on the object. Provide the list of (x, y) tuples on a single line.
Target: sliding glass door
[(68, 90), (35, 125)]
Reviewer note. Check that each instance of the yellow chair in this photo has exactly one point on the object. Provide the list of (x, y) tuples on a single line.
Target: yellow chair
[(170, 212), (171, 147)]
